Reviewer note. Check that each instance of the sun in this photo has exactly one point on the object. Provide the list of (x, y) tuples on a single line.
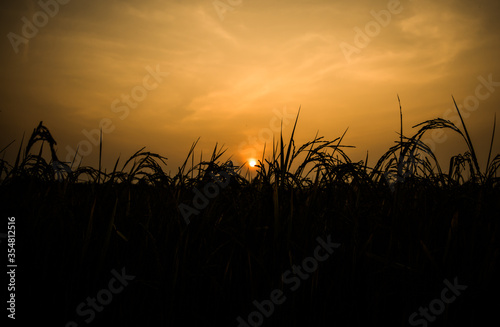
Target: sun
[(252, 162)]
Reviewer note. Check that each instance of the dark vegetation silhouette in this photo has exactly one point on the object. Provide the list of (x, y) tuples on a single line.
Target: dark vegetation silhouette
[(404, 225)]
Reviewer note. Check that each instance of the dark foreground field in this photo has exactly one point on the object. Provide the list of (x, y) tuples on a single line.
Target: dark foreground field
[(315, 241)]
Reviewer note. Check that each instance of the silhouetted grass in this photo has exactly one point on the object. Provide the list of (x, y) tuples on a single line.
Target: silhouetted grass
[(404, 226)]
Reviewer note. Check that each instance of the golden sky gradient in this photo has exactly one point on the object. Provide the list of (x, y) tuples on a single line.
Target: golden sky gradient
[(161, 74)]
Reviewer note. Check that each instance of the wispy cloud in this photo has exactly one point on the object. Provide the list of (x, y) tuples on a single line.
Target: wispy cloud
[(226, 76)]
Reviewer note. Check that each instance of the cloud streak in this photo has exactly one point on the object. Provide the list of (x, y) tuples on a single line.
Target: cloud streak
[(227, 76)]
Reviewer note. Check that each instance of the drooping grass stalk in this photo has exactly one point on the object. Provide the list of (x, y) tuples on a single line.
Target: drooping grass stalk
[(325, 158), (262, 228)]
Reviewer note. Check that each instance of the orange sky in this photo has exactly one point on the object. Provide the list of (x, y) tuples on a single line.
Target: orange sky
[(161, 74)]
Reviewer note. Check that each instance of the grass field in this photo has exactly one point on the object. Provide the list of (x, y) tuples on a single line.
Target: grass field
[(204, 244)]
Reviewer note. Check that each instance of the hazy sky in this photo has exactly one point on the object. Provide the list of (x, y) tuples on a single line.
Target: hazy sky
[(161, 74)]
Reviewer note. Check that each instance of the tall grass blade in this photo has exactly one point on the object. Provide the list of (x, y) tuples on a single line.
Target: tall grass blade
[(401, 126), (6, 146), (287, 162), (491, 144), (469, 142), (100, 157), (18, 157)]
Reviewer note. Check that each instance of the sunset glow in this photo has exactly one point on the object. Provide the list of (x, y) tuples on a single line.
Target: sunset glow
[(250, 162), (162, 74)]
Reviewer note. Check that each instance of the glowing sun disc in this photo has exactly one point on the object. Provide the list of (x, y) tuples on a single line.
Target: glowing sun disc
[(252, 162)]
